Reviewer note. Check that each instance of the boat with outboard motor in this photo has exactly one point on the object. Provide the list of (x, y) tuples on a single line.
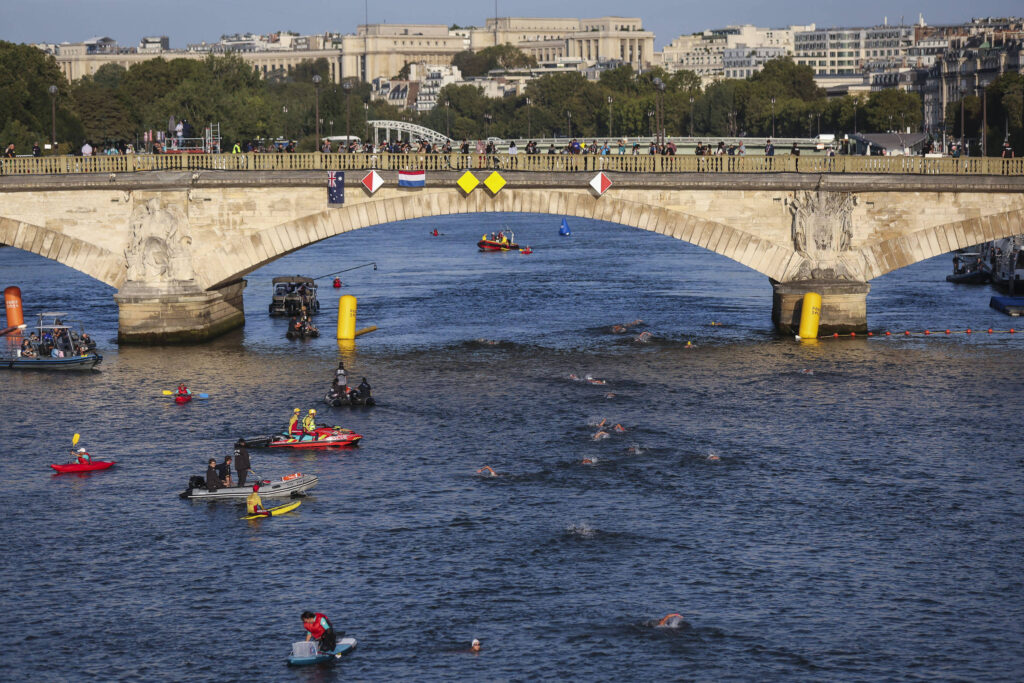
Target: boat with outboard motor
[(348, 397), (289, 485), (54, 344), (321, 437), (502, 241), (967, 268)]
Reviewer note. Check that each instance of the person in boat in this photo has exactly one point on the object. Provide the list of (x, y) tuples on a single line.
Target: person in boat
[(309, 422), (224, 471), (82, 456), (242, 461), (212, 477), (27, 350), (341, 375), (320, 628), (183, 390), (254, 504), (293, 424), (363, 391)]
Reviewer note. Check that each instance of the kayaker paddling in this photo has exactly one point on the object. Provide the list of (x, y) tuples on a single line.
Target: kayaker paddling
[(320, 628), (82, 456)]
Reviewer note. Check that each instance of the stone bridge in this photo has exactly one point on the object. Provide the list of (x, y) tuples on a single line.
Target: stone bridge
[(177, 244)]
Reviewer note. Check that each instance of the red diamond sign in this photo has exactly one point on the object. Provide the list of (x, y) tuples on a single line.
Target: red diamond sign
[(372, 181), (601, 183)]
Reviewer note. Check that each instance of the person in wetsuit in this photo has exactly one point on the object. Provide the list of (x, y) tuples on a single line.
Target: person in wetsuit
[(213, 477), (241, 461), (320, 628), (364, 389)]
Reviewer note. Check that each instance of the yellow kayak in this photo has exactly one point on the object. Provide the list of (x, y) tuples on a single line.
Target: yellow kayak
[(279, 510)]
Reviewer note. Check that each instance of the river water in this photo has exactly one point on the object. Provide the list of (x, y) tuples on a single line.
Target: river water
[(862, 521)]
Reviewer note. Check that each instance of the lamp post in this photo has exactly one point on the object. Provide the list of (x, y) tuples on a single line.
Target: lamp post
[(366, 118), (691, 116), (529, 117), (284, 124), (659, 109), (962, 94), (316, 89), (610, 114), (854, 115), (53, 90), (984, 122), (773, 116), (487, 125), (447, 126), (568, 116), (818, 116), (650, 123), (347, 87), (331, 124)]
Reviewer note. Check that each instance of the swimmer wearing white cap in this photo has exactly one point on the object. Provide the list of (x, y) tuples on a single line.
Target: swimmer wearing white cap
[(474, 646)]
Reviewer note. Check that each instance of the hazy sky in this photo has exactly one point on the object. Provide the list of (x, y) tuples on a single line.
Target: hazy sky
[(192, 21)]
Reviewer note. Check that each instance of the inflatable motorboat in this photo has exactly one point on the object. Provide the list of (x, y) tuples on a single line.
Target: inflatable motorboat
[(290, 485), (351, 398), (503, 241), (309, 332), (322, 437)]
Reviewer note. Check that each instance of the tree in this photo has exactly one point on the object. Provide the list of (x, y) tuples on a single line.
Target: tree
[(26, 73), (495, 57), (892, 109)]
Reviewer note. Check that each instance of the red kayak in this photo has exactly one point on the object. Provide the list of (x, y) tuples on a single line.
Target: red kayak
[(83, 466), (182, 398)]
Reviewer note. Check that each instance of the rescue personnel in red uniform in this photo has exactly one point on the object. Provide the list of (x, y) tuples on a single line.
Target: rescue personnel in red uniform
[(320, 627)]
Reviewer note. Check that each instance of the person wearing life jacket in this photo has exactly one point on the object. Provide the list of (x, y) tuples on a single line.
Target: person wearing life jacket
[(436, 233), (82, 455), (309, 422), (320, 628), (237, 149), (254, 504), (183, 390), (337, 283), (293, 424)]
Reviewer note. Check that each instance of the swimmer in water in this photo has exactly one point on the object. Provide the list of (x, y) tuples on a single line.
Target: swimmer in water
[(591, 380), (574, 377), (806, 371), (713, 458), (689, 344), (619, 428), (487, 471), (609, 395), (633, 450), (588, 461), (643, 337), (618, 329), (601, 435), (474, 647), (671, 620)]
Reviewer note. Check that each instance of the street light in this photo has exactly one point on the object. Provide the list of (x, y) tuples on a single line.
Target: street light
[(854, 115), (316, 89), (447, 127), (773, 116), (284, 111), (331, 124), (529, 121), (818, 115), (659, 108), (347, 87), (568, 116), (53, 90), (610, 115), (650, 123), (691, 116), (487, 129), (366, 118)]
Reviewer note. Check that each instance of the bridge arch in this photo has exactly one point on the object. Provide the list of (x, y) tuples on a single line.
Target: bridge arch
[(897, 252), (232, 261), (95, 261)]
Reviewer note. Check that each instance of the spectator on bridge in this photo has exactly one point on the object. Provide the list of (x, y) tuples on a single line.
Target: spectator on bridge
[(741, 150), (86, 149), (769, 148), (37, 151), (1007, 152), (9, 151)]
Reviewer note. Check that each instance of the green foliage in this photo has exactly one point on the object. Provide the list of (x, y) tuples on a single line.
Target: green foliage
[(26, 111), (403, 73), (495, 57)]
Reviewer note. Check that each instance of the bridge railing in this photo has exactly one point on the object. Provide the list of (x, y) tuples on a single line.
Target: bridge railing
[(548, 163)]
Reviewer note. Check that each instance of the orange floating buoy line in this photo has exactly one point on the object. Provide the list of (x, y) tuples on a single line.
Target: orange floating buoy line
[(924, 333)]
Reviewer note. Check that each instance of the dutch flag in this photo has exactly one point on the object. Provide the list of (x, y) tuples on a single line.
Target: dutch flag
[(412, 178)]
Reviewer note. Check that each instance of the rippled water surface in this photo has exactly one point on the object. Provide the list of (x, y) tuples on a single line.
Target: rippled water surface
[(862, 520)]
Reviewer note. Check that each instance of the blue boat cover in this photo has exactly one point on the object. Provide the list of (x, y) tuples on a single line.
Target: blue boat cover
[(1010, 305)]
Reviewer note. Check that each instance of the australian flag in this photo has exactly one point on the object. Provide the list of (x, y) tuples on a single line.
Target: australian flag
[(335, 187)]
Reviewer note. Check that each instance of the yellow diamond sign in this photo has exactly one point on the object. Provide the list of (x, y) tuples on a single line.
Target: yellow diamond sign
[(468, 182), (494, 182)]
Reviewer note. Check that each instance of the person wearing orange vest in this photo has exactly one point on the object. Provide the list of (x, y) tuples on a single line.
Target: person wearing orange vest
[(320, 627)]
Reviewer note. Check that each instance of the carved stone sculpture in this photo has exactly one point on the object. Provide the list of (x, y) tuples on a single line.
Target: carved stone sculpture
[(822, 236), (160, 248)]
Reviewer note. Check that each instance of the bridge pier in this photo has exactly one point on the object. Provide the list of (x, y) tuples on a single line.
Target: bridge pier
[(174, 314), (843, 305)]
